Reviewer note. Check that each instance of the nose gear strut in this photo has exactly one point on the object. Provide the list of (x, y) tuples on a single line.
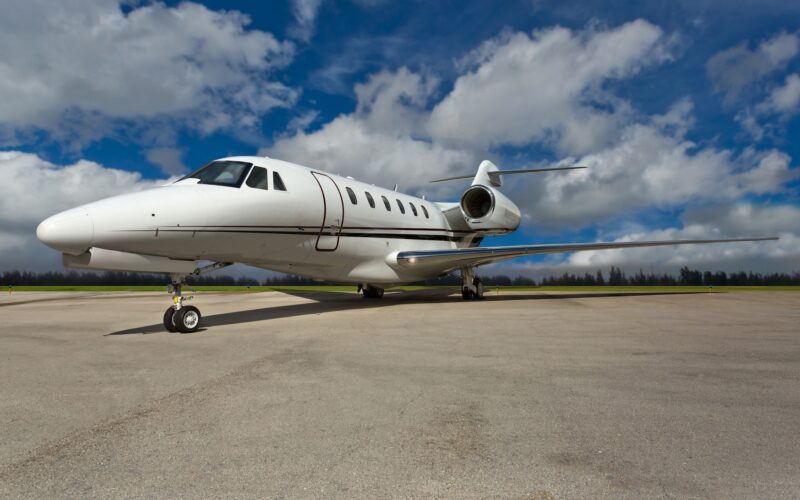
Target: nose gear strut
[(181, 318)]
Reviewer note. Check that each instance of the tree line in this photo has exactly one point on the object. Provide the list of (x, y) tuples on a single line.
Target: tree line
[(613, 277)]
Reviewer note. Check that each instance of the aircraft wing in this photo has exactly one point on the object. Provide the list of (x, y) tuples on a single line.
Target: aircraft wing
[(478, 256)]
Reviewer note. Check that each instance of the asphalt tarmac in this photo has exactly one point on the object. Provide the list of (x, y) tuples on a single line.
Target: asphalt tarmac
[(523, 395)]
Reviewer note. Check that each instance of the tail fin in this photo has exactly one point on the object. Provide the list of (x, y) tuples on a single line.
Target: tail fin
[(488, 173)]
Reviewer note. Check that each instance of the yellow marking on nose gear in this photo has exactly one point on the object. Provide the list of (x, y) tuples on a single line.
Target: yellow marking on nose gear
[(176, 299)]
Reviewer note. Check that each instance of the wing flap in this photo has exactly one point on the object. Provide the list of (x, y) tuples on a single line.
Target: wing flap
[(461, 257)]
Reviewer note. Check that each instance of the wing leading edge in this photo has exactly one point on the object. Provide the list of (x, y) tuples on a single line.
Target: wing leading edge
[(478, 256)]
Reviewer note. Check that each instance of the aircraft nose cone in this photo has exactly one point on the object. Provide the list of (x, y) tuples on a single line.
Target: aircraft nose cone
[(69, 232)]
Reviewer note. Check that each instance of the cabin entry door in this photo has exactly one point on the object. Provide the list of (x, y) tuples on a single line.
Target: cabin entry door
[(333, 213)]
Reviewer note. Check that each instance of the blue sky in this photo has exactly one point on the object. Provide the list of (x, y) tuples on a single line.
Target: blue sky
[(685, 112)]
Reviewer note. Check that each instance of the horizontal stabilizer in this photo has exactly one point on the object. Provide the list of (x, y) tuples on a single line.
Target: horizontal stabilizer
[(488, 171), (508, 172)]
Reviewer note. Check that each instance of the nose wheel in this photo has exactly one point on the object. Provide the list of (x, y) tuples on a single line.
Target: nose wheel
[(178, 317)]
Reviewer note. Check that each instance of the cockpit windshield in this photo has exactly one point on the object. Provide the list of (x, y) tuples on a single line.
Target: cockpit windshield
[(222, 173)]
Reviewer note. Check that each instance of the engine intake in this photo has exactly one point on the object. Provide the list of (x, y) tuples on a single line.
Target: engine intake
[(488, 211), (477, 202)]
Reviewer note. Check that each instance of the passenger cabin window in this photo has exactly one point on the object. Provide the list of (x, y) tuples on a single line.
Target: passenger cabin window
[(424, 211), (222, 173), (413, 208), (277, 182), (386, 204), (370, 200), (401, 207), (258, 178), (352, 196)]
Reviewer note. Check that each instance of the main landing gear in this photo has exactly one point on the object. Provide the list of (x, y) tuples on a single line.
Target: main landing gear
[(471, 285), (371, 292), (179, 317)]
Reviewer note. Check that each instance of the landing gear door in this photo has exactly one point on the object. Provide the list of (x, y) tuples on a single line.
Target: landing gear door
[(333, 213)]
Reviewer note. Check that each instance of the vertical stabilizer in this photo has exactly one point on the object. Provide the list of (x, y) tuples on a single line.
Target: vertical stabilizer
[(484, 177)]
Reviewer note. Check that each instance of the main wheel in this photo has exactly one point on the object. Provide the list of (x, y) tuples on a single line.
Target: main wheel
[(478, 289), (467, 294), (372, 292), (169, 315), (187, 319)]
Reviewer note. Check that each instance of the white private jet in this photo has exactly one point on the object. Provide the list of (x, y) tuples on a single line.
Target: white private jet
[(285, 217)]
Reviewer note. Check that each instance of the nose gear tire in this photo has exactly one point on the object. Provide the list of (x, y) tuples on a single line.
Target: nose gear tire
[(187, 319), (169, 316)]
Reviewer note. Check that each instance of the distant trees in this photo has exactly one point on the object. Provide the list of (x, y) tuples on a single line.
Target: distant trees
[(616, 277)]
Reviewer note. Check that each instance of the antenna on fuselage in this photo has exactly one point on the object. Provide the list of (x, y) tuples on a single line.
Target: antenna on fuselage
[(395, 188)]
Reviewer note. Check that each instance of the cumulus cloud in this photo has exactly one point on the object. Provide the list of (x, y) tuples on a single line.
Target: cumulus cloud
[(70, 64), (33, 189), (546, 87), (726, 220), (377, 142), (735, 69), (735, 220), (518, 89), (652, 165)]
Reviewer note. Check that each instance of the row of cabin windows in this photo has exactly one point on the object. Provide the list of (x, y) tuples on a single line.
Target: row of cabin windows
[(400, 206), (259, 179)]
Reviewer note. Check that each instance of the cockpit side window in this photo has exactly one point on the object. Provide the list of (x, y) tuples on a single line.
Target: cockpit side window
[(352, 196), (386, 203), (277, 182), (258, 179), (221, 173)]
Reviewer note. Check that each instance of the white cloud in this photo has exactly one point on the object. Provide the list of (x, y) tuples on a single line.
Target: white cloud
[(167, 159), (348, 146), (302, 121), (523, 89), (305, 14), (546, 88), (726, 221), (68, 63), (33, 189), (769, 175), (377, 142), (652, 165), (735, 69), (784, 99), (748, 76)]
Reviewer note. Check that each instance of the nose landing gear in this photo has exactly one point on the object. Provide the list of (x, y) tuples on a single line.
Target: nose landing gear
[(181, 318), (178, 317)]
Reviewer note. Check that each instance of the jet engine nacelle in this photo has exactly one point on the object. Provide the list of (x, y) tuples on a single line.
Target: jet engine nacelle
[(487, 209)]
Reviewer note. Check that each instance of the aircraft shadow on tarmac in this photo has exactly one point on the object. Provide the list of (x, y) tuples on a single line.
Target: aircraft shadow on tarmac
[(324, 302)]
